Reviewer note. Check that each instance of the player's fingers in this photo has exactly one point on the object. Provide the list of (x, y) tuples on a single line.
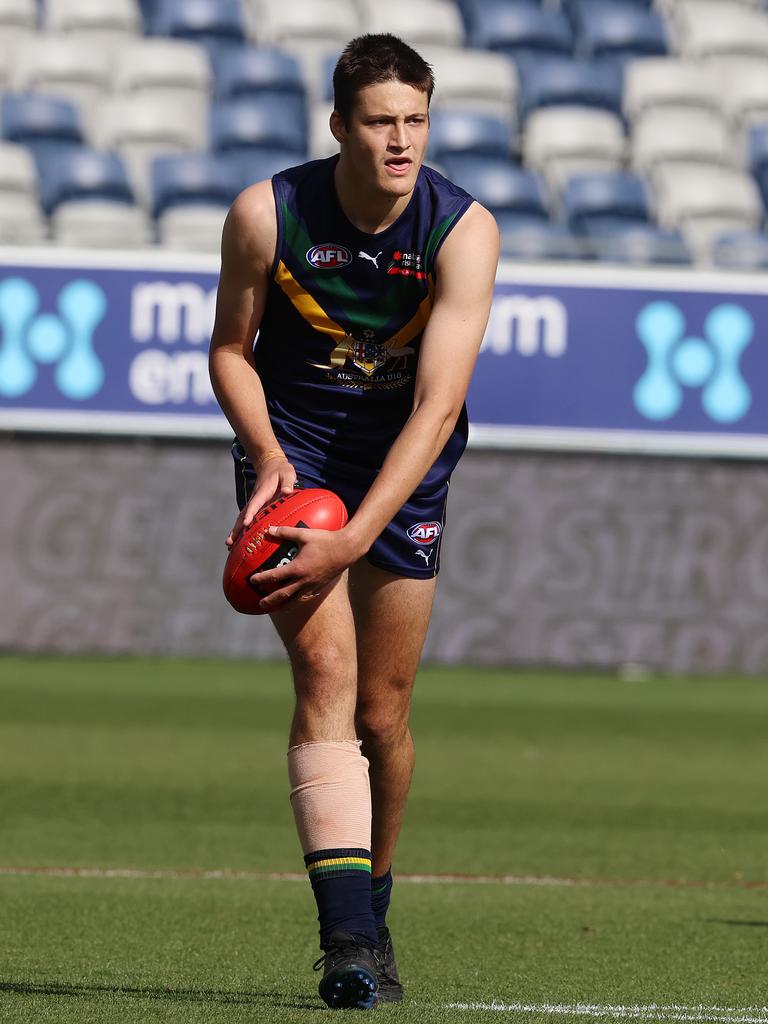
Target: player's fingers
[(278, 597), (236, 530), (299, 534), (287, 479)]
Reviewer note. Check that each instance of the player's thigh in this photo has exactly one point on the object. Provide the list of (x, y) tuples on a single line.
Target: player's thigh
[(319, 637), (391, 615)]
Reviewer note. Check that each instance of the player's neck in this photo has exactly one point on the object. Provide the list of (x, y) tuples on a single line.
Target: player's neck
[(370, 211)]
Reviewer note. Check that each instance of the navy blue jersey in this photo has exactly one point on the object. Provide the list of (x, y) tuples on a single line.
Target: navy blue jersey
[(339, 341)]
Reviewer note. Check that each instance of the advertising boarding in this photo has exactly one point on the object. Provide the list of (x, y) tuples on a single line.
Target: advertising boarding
[(583, 358)]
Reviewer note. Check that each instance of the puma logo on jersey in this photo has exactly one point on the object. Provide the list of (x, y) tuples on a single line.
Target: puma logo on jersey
[(374, 259), (424, 554)]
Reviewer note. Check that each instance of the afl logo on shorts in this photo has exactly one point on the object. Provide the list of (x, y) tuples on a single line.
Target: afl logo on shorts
[(328, 256), (425, 533)]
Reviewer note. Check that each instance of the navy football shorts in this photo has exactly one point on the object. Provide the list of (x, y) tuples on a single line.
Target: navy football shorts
[(409, 546)]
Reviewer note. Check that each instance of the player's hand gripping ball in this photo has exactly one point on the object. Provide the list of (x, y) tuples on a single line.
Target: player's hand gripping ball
[(254, 551)]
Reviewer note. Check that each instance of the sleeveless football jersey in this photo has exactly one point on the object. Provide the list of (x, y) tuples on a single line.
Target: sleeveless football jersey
[(339, 341)]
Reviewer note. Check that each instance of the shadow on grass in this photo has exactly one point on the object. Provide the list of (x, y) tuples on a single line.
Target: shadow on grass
[(743, 924), (192, 995)]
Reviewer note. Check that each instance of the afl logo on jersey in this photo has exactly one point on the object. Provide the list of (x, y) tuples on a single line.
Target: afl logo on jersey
[(425, 533), (328, 256)]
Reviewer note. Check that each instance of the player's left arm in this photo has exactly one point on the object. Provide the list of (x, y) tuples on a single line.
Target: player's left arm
[(466, 270)]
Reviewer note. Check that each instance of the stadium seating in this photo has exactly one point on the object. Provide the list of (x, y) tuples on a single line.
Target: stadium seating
[(618, 30), (82, 174), (18, 175), (572, 83), (758, 158), (692, 136), (427, 21), (474, 80), (745, 101), (332, 21), (497, 183), (724, 31), (259, 122), (97, 22), (43, 123), (669, 83), (706, 202), (600, 203), (173, 67), (251, 69), (69, 67), (741, 250), (101, 224), (191, 228), (193, 179), (563, 141), (461, 131), (21, 222), (218, 25), (520, 29), (18, 18), (641, 244), (526, 238)]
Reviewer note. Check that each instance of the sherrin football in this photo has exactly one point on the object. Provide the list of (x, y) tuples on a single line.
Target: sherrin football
[(254, 551)]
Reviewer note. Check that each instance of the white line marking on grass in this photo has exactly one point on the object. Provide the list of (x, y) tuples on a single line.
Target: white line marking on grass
[(652, 1012), (228, 874)]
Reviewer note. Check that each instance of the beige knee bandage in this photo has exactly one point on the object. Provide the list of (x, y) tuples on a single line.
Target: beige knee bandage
[(330, 795)]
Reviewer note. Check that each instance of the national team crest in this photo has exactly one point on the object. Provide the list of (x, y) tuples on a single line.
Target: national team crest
[(366, 354)]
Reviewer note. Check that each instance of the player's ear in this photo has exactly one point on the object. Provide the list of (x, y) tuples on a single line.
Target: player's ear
[(338, 128)]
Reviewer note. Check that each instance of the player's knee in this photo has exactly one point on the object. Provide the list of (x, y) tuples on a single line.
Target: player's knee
[(381, 723), (323, 666)]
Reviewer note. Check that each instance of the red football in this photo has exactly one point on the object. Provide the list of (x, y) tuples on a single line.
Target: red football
[(254, 551)]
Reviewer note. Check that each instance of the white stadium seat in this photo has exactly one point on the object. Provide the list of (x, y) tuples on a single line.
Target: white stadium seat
[(192, 228), (692, 136), (745, 94), (652, 83), (17, 170), (562, 141), (110, 22), (723, 31), (18, 18), (427, 21), (333, 21), (99, 224), (70, 67), (706, 202), (473, 80), (146, 125), (175, 67), (21, 220)]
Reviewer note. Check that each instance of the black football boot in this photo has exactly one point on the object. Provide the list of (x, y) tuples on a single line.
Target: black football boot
[(390, 989), (349, 973)]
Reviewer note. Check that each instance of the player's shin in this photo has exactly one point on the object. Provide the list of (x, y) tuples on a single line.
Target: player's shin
[(331, 799)]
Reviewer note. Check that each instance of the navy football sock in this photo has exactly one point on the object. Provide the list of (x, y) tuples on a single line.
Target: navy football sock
[(341, 882), (381, 894)]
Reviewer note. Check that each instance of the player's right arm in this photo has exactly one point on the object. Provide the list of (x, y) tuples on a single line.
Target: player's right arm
[(247, 252)]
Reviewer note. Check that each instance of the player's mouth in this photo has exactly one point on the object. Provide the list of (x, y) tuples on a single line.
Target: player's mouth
[(398, 165)]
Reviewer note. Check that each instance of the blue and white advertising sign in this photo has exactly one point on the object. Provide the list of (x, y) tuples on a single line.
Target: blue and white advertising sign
[(587, 358)]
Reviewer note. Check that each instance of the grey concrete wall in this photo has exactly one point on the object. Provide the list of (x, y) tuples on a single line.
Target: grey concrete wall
[(547, 559)]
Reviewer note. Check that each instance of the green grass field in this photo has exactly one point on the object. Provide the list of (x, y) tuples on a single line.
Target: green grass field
[(631, 819)]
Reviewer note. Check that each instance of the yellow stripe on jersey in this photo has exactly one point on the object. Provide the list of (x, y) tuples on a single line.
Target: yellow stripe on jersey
[(306, 305), (415, 325)]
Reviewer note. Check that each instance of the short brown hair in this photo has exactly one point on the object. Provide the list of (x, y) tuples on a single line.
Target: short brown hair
[(371, 59)]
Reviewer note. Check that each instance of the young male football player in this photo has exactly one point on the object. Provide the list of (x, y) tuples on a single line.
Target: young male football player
[(369, 279)]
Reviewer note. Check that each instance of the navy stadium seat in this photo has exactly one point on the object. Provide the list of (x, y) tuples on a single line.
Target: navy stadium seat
[(262, 121), (464, 131), (641, 244), (45, 124), (597, 202), (193, 179), (529, 238), (258, 165), (519, 29), (758, 158), (216, 24), (741, 250), (497, 183), (252, 69), (80, 173), (619, 29), (570, 82)]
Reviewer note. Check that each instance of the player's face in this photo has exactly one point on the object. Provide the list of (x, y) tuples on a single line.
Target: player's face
[(386, 137)]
